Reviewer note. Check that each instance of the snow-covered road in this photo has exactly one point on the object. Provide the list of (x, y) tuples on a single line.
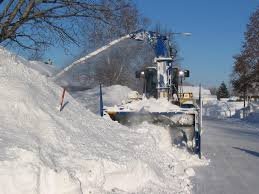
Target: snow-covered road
[(233, 148)]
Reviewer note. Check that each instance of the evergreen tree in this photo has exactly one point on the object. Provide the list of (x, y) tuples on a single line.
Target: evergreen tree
[(222, 91)]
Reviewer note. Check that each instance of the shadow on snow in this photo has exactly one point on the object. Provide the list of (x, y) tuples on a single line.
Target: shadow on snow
[(256, 154)]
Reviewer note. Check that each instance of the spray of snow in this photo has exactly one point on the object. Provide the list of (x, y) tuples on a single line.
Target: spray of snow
[(92, 54)]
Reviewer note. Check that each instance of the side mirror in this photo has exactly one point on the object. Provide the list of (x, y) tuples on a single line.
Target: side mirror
[(186, 73), (137, 74)]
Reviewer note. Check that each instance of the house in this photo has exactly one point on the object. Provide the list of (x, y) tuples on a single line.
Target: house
[(205, 93)]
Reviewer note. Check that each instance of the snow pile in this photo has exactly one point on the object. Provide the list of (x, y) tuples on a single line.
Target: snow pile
[(112, 95), (254, 106), (225, 109), (151, 105), (43, 68), (43, 150), (253, 116), (221, 109)]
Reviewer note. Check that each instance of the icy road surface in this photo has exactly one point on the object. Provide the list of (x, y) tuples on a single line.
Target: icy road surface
[(233, 148)]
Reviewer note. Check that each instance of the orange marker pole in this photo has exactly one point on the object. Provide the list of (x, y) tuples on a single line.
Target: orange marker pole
[(62, 99)]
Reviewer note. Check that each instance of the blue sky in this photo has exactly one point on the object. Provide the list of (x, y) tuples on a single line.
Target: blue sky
[(217, 28)]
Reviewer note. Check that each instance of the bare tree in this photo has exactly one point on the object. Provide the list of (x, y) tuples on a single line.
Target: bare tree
[(119, 64), (245, 77), (242, 77), (36, 55), (251, 44), (40, 23), (127, 21)]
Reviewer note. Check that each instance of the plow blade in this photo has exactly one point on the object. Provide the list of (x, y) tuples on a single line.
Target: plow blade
[(182, 125), (165, 118)]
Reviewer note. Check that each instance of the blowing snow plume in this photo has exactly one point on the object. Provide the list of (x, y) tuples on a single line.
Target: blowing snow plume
[(111, 64)]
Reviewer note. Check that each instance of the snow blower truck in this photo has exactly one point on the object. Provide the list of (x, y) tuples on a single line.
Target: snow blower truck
[(163, 80)]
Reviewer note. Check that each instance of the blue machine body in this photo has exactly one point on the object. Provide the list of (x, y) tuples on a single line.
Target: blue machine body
[(160, 43)]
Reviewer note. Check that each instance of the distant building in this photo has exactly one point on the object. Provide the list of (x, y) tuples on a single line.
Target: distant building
[(206, 94)]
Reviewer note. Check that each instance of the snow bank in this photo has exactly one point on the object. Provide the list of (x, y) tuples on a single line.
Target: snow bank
[(112, 95), (221, 109), (151, 105), (254, 106), (43, 150), (45, 69), (253, 116), (226, 109)]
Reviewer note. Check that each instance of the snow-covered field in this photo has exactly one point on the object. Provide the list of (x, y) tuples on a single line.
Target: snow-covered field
[(43, 150)]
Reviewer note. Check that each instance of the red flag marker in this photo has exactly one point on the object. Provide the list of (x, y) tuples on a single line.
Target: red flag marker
[(62, 99)]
